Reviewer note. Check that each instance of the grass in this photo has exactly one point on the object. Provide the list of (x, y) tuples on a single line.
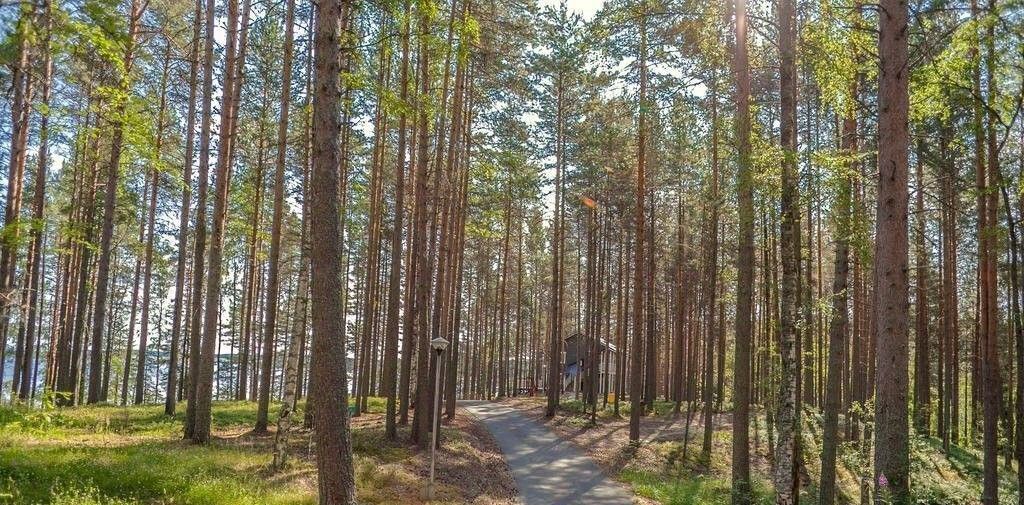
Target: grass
[(689, 489), (108, 455)]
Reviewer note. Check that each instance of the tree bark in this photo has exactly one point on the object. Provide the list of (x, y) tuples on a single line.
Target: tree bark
[(838, 328), (636, 357), (109, 200), (741, 489), (36, 257), (390, 377), (199, 246), (273, 275), (922, 354), (328, 391), (788, 422), (891, 284), (170, 396), (235, 60), (147, 282)]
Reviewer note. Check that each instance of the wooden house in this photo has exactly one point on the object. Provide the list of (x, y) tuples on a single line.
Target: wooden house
[(576, 351)]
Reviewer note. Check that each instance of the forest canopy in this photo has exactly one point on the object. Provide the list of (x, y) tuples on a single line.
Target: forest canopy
[(779, 219)]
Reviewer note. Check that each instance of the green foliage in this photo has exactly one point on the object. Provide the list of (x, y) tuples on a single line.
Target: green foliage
[(766, 161), (943, 76), (835, 48)]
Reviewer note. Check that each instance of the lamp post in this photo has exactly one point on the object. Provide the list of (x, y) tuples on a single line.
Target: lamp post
[(438, 345)]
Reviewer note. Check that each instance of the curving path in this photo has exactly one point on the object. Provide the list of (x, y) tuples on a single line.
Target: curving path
[(547, 469)]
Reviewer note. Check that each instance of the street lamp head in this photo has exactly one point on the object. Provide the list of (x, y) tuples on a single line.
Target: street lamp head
[(439, 344)]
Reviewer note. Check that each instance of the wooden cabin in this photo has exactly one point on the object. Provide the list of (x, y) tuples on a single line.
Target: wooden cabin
[(575, 352)]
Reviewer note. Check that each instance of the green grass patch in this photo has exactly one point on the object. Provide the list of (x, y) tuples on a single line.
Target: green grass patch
[(112, 455), (692, 489), (148, 471)]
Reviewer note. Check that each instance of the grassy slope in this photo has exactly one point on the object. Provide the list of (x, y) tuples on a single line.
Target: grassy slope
[(663, 471), (115, 455)]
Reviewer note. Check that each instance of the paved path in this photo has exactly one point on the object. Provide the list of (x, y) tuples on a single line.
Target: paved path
[(547, 469)]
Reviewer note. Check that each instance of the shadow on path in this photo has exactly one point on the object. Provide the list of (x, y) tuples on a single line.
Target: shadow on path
[(547, 469)]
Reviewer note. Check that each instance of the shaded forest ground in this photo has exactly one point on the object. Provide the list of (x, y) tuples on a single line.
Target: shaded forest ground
[(118, 455), (665, 469)]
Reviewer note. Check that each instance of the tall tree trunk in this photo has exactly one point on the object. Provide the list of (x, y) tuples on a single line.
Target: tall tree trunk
[(741, 489), (68, 382), (950, 327), (554, 379), (170, 396), (199, 246), (273, 280), (502, 296), (1018, 282), (992, 381), (711, 279), (133, 316), (292, 371), (891, 285), (36, 258), (421, 244), (788, 422), (235, 60), (636, 358), (922, 354), (21, 109), (651, 314), (328, 391), (109, 210), (838, 327), (395, 274), (140, 377), (255, 297)]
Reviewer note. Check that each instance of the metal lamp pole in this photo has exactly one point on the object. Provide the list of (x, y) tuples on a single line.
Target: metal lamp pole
[(439, 345)]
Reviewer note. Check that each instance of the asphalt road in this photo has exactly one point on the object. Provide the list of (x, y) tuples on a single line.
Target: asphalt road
[(547, 469)]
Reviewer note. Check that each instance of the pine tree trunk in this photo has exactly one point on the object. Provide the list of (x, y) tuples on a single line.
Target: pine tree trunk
[(554, 379), (395, 274), (421, 248), (21, 110), (636, 356), (170, 396), (36, 255), (838, 328), (991, 381), (922, 354), (273, 280), (891, 285), (210, 336), (151, 220), (741, 489), (711, 280), (328, 391), (109, 200), (199, 257)]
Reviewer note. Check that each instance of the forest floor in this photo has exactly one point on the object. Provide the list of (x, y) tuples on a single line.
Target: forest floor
[(109, 455), (668, 466)]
